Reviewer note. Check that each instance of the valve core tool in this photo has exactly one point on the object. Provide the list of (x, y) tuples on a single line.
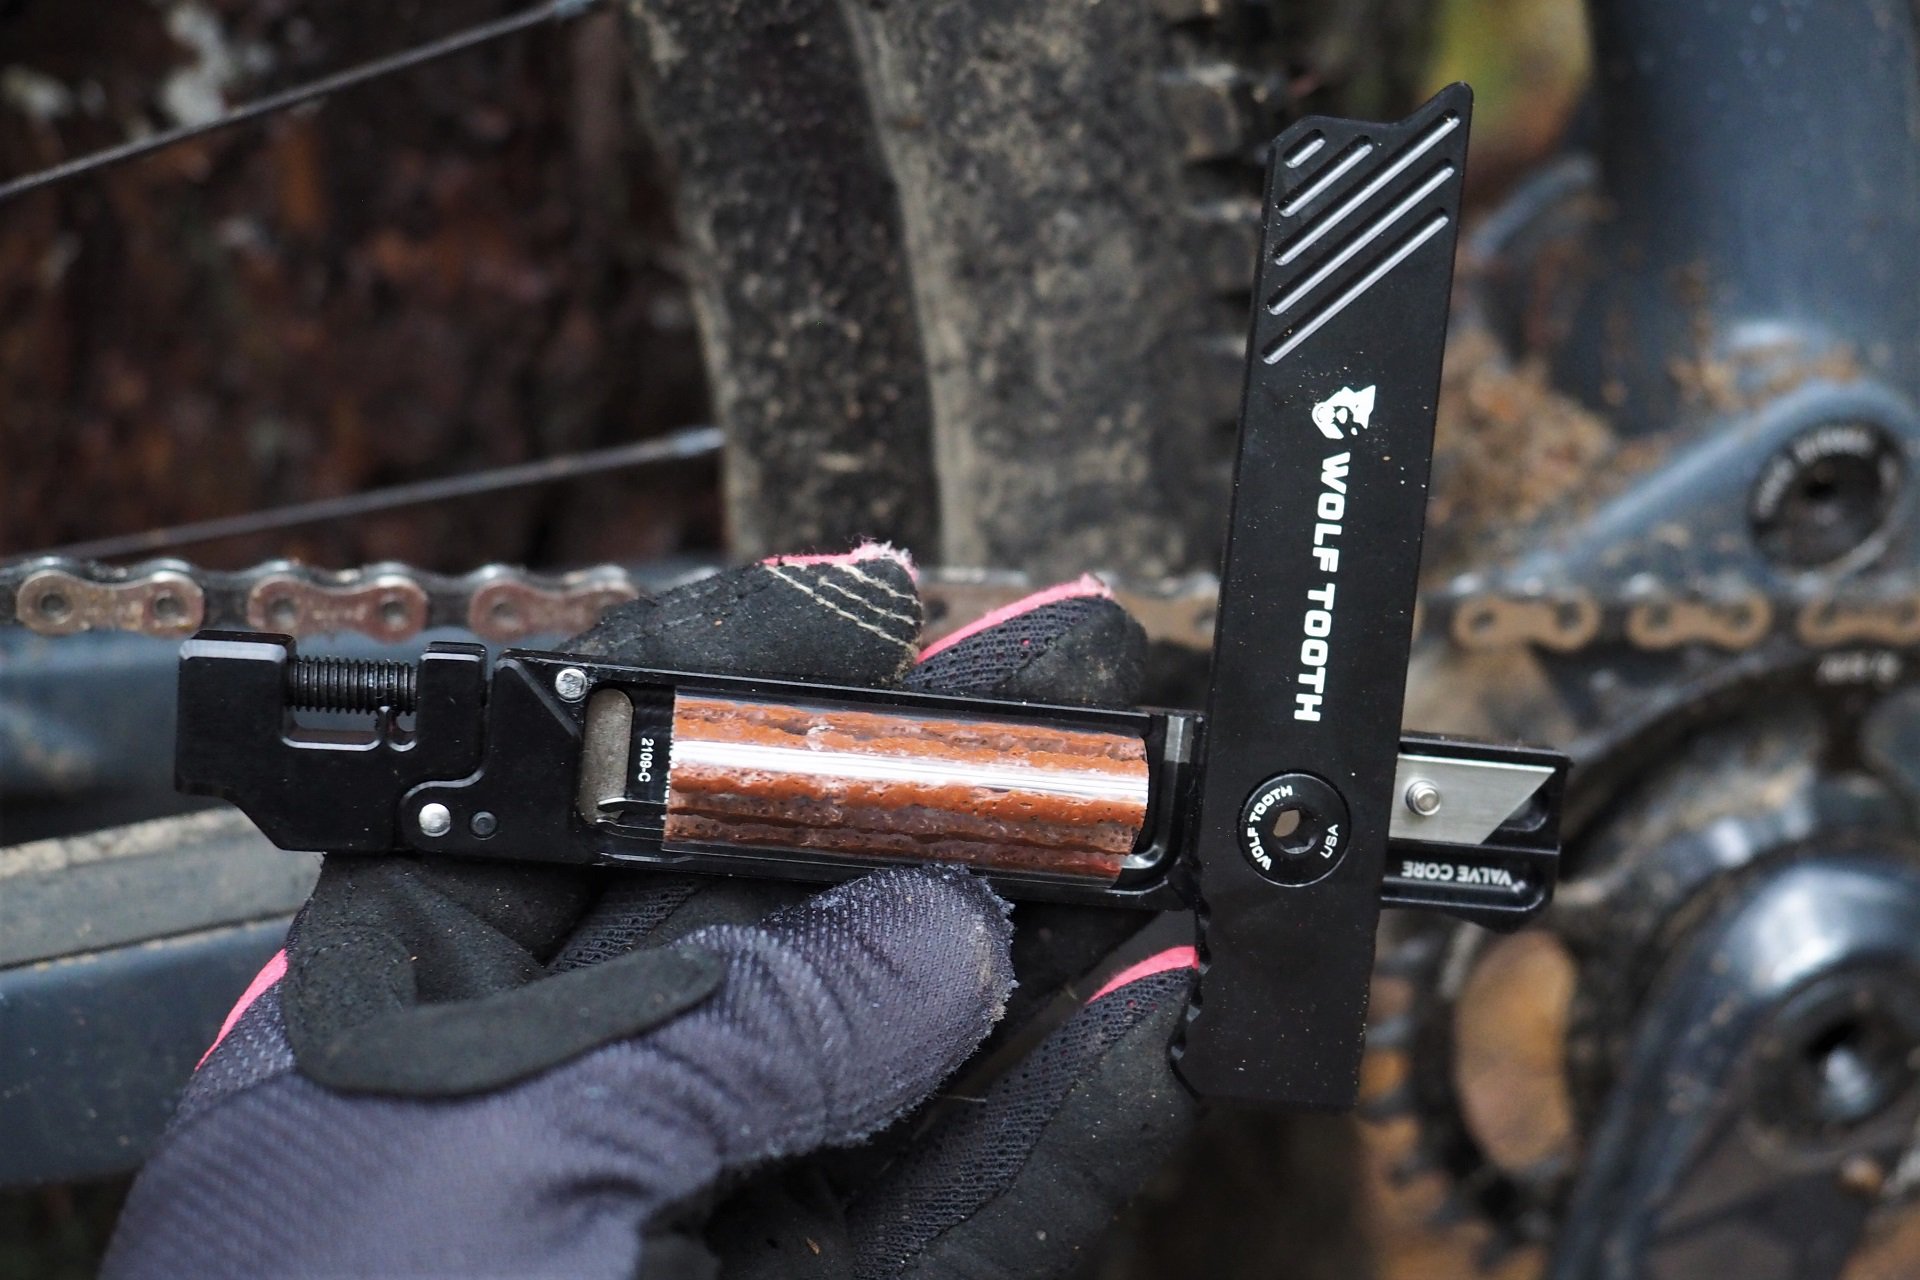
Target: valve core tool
[(1285, 818)]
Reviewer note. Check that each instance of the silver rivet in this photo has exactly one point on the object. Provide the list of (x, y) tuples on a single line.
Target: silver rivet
[(435, 820), (570, 683), (1423, 797)]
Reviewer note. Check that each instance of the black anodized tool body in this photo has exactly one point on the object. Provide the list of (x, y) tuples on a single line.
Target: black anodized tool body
[(1316, 599)]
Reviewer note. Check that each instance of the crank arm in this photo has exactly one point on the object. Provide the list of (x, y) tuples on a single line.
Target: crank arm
[(1285, 818)]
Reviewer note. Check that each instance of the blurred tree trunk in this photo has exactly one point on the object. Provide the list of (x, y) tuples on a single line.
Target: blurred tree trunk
[(974, 277)]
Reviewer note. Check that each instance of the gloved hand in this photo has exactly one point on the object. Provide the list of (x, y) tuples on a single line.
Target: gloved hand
[(512, 1069)]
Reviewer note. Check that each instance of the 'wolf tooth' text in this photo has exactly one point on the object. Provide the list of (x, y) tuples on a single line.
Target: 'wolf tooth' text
[(1318, 624)]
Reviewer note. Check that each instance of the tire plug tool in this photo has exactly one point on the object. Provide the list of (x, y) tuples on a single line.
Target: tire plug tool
[(1284, 819)]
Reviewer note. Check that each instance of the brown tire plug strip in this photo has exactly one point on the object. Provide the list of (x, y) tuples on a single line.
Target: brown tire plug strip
[(994, 795)]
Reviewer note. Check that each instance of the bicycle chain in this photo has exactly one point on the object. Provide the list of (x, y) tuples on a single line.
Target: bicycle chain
[(392, 602), (387, 602)]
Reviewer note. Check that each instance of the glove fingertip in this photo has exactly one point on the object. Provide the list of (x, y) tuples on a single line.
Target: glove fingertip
[(852, 618), (866, 553), (849, 1009), (932, 922), (1085, 587), (1078, 646)]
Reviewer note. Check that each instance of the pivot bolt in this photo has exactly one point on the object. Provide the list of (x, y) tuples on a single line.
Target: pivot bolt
[(435, 820), (1294, 829), (1423, 797), (570, 683)]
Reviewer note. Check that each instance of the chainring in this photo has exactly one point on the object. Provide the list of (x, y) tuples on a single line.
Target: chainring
[(1488, 1057)]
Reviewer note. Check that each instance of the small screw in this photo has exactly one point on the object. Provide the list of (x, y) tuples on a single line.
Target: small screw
[(570, 683), (1423, 797), (435, 820), (483, 824)]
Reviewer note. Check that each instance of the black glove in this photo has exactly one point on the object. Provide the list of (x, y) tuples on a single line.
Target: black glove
[(481, 1068)]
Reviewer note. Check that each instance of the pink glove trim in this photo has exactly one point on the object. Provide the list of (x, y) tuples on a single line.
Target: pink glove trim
[(1171, 958), (275, 970), (1086, 586), (865, 551)]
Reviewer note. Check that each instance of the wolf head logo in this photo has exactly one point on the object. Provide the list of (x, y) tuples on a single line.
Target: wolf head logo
[(1345, 408)]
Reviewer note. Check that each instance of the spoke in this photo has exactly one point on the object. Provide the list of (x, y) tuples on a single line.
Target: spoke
[(551, 11), (682, 445)]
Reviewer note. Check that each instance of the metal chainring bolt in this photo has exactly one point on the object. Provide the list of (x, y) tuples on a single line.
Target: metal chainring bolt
[(435, 820), (1423, 797), (570, 683)]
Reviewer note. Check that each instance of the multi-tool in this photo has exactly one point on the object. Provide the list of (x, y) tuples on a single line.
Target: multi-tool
[(1283, 819)]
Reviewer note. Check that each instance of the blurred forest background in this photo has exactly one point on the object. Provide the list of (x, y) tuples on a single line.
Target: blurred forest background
[(469, 265), (463, 267)]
